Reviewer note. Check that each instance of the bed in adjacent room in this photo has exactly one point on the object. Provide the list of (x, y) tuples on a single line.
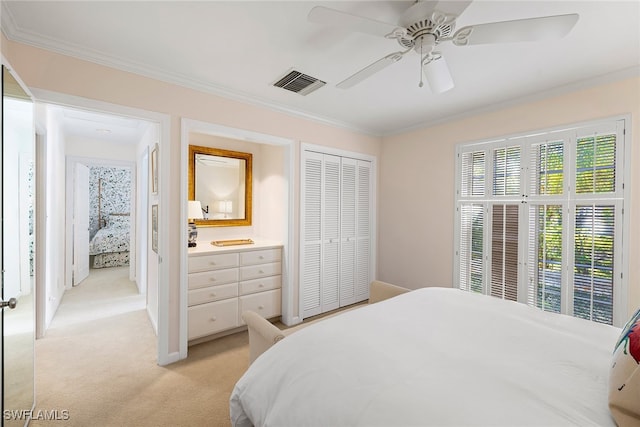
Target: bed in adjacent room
[(109, 247), (434, 356)]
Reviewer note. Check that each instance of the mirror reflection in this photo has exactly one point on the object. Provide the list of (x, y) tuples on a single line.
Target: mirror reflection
[(18, 233), (221, 181)]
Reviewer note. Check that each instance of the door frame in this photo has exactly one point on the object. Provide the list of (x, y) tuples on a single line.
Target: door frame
[(71, 163), (163, 121), (36, 212)]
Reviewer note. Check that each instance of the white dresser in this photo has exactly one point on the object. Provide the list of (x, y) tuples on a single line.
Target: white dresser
[(225, 281)]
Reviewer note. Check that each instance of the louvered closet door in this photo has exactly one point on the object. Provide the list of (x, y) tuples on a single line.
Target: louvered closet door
[(310, 257), (363, 230), (330, 234), (348, 232), (335, 262)]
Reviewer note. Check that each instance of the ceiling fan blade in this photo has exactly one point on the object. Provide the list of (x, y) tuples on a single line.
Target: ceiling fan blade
[(417, 12), (370, 70), (453, 7), (521, 30), (438, 75), (327, 16)]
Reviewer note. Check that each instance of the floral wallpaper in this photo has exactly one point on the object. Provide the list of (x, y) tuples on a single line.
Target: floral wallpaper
[(113, 184)]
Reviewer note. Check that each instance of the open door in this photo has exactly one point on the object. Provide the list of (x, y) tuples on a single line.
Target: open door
[(17, 259), (81, 224)]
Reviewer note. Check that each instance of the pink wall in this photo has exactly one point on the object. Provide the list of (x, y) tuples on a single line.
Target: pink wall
[(50, 71), (417, 180)]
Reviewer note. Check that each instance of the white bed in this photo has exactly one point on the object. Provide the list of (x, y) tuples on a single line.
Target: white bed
[(433, 356)]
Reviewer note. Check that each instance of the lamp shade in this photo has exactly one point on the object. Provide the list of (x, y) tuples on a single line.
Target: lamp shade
[(195, 210)]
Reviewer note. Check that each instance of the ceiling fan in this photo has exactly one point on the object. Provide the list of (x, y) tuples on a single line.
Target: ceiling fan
[(428, 23)]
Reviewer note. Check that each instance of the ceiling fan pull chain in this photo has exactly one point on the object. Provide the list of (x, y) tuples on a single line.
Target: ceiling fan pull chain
[(421, 65)]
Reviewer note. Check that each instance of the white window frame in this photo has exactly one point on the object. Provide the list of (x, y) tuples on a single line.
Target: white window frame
[(568, 200)]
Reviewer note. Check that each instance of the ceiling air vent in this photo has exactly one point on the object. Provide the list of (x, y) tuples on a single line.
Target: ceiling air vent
[(300, 83)]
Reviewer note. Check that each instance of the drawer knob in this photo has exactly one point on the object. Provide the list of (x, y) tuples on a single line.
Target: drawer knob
[(261, 285), (212, 263), (212, 279), (213, 294), (261, 257), (214, 318), (261, 272), (260, 307)]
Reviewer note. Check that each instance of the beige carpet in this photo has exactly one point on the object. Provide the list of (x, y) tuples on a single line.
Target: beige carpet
[(98, 362)]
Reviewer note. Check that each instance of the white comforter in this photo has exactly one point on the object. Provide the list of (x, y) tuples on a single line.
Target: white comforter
[(434, 356)]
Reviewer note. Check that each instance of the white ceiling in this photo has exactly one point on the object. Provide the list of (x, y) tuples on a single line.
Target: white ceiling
[(239, 49), (100, 127)]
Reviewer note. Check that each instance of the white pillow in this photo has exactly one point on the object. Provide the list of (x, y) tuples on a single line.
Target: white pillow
[(624, 377)]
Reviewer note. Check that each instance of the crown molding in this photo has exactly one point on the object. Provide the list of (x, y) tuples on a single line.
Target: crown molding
[(622, 74), (16, 34)]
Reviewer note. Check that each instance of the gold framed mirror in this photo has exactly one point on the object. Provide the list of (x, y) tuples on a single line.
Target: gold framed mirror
[(221, 181)]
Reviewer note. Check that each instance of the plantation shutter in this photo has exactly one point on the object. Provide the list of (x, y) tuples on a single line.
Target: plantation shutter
[(471, 240), (546, 169), (597, 217), (506, 171), (594, 264), (471, 247), (504, 252), (596, 164), (545, 238), (473, 173), (556, 200)]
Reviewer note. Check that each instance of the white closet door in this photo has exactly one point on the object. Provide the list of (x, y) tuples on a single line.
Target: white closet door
[(363, 230), (348, 232), (310, 257), (331, 259), (335, 258)]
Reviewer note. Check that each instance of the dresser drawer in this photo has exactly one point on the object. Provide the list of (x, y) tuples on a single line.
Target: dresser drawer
[(212, 262), (260, 257), (211, 318), (212, 293), (262, 270), (259, 285), (214, 277), (267, 304)]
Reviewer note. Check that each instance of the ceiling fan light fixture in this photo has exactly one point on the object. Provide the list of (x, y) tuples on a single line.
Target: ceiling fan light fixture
[(437, 74)]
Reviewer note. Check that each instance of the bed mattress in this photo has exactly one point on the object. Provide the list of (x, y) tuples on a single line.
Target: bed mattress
[(434, 356)]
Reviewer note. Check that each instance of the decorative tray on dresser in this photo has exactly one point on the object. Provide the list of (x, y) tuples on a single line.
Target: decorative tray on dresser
[(224, 281)]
